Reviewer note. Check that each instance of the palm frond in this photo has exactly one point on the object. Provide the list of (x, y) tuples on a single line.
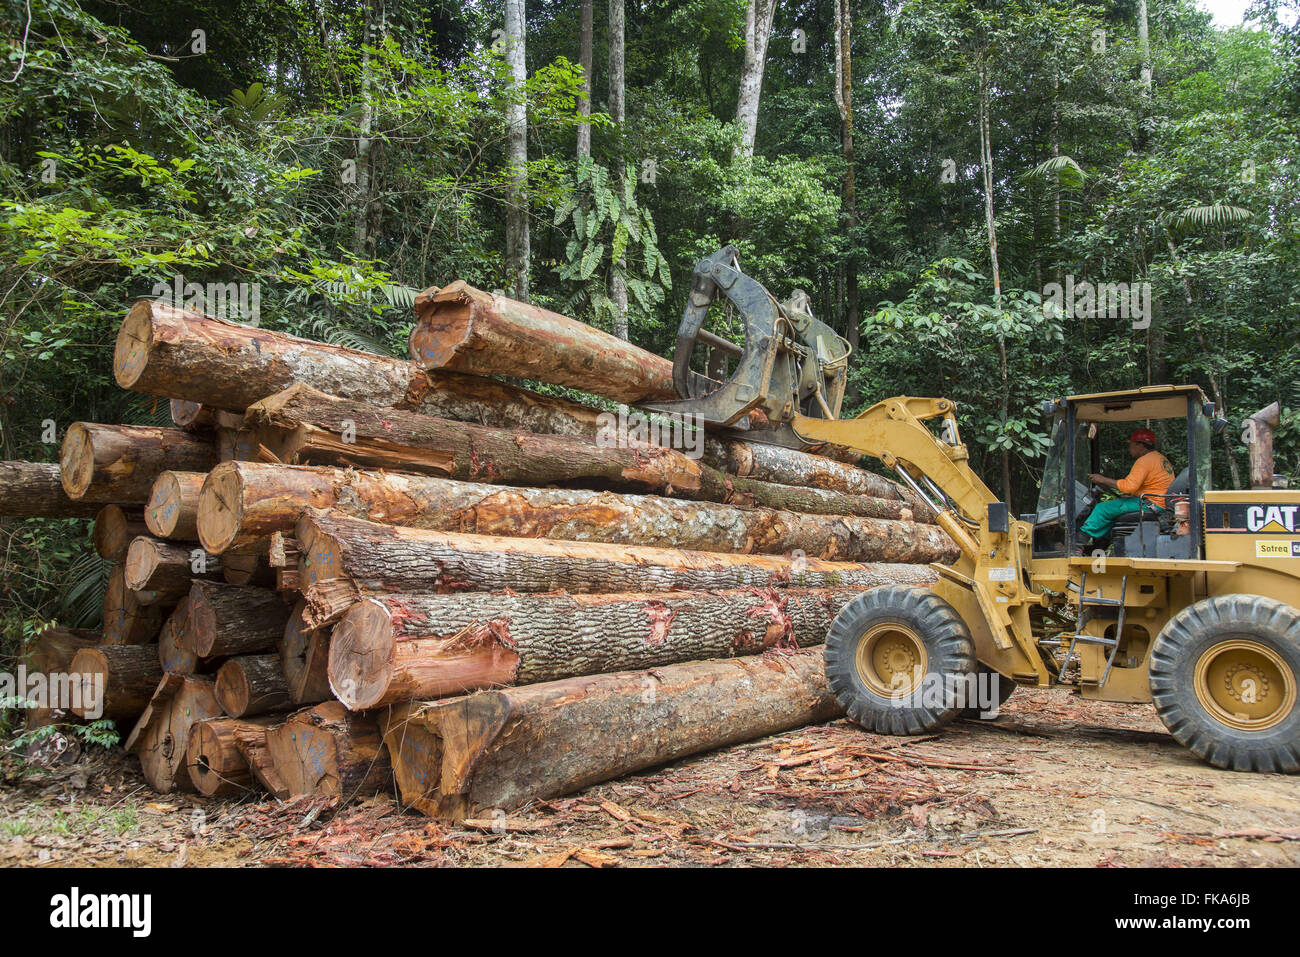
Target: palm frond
[(1215, 214), (1064, 170), (81, 598)]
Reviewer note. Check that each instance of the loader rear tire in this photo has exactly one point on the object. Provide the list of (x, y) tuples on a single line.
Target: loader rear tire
[(893, 658), (1224, 682)]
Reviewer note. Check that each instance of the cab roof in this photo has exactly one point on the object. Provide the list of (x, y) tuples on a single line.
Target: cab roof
[(1131, 405)]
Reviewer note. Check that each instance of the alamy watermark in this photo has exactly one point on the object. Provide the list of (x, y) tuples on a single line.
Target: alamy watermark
[(82, 693), (234, 301), (1102, 300), (673, 430), (978, 690)]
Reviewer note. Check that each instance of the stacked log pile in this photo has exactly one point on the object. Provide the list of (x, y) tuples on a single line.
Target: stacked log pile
[(341, 570)]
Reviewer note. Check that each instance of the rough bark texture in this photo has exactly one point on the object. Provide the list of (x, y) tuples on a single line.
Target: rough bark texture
[(233, 620), (162, 734), (172, 655), (304, 659), (351, 558), (216, 755), (464, 329), (517, 228), (325, 750), (35, 490), (161, 572), (52, 654), (250, 685), (758, 30), (398, 647), (119, 463), (117, 681), (173, 507), (126, 620), (114, 530), (500, 749), (243, 503)]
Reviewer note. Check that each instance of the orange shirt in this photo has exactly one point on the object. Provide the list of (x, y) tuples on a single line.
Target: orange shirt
[(1151, 475)]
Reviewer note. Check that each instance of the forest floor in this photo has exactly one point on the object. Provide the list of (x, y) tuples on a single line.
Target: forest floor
[(1053, 781)]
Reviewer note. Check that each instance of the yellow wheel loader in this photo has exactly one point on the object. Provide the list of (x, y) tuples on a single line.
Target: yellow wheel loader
[(1196, 609)]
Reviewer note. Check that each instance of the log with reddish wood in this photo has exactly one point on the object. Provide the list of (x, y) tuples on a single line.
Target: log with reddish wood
[(464, 329), (217, 755), (326, 750), (117, 681), (350, 558), (162, 734), (248, 568), (497, 750), (161, 572), (119, 463), (304, 659), (172, 656), (249, 685), (36, 490), (52, 653), (232, 620), (126, 620), (394, 648), (173, 506), (114, 530), (243, 503)]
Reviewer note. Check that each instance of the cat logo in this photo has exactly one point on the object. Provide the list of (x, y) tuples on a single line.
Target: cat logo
[(1272, 518)]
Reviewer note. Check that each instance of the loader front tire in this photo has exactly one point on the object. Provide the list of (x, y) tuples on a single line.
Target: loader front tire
[(895, 657), (1224, 682)]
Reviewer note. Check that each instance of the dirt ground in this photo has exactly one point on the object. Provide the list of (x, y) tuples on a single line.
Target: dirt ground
[(1053, 781)]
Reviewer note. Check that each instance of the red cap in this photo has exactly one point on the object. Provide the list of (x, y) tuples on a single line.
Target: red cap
[(1143, 435)]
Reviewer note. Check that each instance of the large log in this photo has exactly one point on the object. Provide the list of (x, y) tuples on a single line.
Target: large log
[(394, 648), (303, 425), (173, 507), (464, 329), (119, 463), (126, 620), (117, 681), (249, 685), (114, 530), (162, 734), (172, 655), (232, 620), (243, 503), (217, 755), (35, 490), (497, 750), (52, 653), (304, 658), (349, 558), (325, 750), (161, 572)]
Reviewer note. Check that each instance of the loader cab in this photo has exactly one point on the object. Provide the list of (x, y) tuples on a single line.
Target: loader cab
[(1089, 434)]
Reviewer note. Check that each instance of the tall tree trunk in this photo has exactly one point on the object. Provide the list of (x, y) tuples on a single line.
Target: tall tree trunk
[(584, 60), (1144, 48), (844, 100), (517, 243), (758, 30), (986, 161), (617, 284)]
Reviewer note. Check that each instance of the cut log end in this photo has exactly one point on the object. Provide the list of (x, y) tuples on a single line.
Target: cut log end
[(134, 343), (361, 656), (173, 501), (76, 461), (219, 509)]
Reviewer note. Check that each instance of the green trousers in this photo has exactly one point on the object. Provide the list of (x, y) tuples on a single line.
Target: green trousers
[(1104, 514)]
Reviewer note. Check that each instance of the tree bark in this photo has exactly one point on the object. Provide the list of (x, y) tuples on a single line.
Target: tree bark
[(758, 30), (161, 573), (119, 463), (325, 750), (501, 749), (173, 507), (517, 242), (117, 681), (244, 503), (304, 659), (161, 736), (126, 620), (172, 656), (617, 113), (233, 620), (350, 559), (216, 757), (249, 685), (114, 530), (844, 100), (394, 648), (463, 329), (52, 654), (35, 490), (584, 61)]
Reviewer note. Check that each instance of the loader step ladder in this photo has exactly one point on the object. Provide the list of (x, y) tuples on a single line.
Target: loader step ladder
[(1079, 636)]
